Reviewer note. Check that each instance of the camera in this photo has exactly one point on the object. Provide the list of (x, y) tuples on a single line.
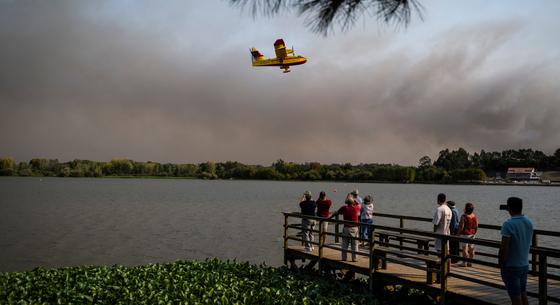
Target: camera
[(503, 207)]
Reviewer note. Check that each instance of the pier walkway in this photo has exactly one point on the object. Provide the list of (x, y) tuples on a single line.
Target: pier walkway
[(403, 256)]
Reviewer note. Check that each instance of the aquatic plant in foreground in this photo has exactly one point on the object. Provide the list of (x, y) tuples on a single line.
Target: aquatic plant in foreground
[(186, 282)]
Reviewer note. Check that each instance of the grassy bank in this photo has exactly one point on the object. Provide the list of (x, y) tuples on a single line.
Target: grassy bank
[(210, 282)]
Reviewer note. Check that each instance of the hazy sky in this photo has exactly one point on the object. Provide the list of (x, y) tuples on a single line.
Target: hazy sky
[(171, 81)]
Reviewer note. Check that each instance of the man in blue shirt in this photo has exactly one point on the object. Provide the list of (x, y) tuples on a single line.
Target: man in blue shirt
[(517, 233)]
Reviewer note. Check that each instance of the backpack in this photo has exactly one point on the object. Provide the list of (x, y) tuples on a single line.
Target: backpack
[(454, 225)]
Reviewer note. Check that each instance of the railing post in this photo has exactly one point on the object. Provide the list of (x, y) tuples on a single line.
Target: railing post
[(543, 279), (371, 244), (534, 257), (303, 232), (401, 225), (336, 230), (285, 238), (443, 270), (321, 245)]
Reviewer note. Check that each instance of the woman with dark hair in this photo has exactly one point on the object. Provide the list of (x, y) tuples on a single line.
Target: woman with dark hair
[(323, 206), (467, 229)]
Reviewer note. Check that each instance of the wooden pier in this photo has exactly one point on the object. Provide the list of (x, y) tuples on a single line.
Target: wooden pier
[(402, 256)]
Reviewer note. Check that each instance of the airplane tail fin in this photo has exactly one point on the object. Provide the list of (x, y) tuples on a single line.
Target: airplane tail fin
[(256, 55)]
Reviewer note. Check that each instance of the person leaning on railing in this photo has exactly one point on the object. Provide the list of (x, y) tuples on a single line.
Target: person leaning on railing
[(468, 226), (350, 212)]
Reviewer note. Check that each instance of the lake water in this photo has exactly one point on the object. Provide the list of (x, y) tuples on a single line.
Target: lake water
[(54, 222)]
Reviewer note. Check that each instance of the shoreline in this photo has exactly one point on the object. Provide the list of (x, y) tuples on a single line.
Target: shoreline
[(553, 184)]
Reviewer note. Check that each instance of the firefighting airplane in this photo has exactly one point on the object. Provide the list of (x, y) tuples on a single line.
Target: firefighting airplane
[(283, 60)]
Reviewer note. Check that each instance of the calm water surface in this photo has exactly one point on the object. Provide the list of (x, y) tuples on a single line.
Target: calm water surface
[(54, 222)]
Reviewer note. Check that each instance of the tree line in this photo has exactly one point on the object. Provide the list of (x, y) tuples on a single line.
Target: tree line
[(450, 167)]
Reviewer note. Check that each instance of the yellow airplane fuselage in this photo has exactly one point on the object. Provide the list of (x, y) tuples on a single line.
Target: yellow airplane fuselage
[(287, 61)]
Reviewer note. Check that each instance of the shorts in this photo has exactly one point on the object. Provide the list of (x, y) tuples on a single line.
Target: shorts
[(325, 226), (515, 279), (463, 244)]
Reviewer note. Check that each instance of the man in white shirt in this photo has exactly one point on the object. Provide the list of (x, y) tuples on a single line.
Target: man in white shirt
[(442, 223), (441, 220)]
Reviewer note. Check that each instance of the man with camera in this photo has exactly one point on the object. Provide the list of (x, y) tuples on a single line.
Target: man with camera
[(513, 257), (350, 212)]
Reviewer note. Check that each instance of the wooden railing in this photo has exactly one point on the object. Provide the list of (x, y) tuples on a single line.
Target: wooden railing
[(535, 241), (376, 249)]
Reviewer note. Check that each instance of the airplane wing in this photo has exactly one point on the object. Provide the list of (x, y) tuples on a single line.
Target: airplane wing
[(280, 49)]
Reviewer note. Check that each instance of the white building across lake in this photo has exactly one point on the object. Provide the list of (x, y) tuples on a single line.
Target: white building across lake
[(522, 173)]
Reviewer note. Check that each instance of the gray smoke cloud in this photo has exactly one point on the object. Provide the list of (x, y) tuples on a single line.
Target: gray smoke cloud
[(94, 80)]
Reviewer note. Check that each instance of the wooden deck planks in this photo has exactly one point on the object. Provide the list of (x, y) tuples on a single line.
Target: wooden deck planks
[(456, 287)]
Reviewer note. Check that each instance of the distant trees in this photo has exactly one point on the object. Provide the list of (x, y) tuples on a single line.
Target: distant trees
[(459, 165), (7, 166), (450, 160), (451, 166), (496, 161), (425, 162), (186, 170), (279, 170), (123, 167), (430, 174), (555, 160), (207, 170)]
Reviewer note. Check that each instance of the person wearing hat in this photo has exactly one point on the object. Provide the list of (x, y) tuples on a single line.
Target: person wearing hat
[(308, 207), (454, 230), (366, 217), (356, 195)]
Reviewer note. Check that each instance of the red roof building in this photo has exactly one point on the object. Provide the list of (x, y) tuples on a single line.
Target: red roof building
[(521, 173)]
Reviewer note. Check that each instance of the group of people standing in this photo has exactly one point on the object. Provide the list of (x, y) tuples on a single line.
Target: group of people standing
[(446, 221), (517, 233), (513, 256), (356, 209)]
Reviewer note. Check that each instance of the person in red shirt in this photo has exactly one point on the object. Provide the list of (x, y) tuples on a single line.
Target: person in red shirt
[(350, 212), (323, 206), (468, 225)]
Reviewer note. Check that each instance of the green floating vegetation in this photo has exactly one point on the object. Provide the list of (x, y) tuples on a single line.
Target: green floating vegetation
[(189, 282)]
